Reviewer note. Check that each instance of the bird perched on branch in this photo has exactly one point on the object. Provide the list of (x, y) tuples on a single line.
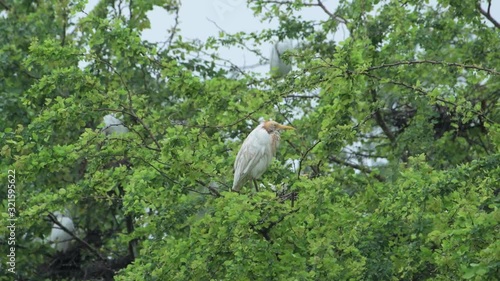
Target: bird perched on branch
[(59, 238), (113, 125), (257, 152)]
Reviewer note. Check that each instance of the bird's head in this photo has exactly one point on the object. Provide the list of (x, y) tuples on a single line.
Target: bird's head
[(273, 126)]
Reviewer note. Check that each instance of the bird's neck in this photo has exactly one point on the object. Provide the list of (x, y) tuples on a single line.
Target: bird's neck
[(275, 142)]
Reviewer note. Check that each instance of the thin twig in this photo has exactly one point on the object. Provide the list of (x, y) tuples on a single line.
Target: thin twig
[(173, 30), (155, 168), (335, 17), (305, 155), (254, 51)]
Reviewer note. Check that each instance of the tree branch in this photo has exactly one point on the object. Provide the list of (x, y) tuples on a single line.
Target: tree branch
[(305, 155), (256, 52), (450, 64), (487, 13), (213, 190), (333, 16), (64, 27), (380, 120), (265, 230), (173, 29), (424, 93), (147, 129), (301, 96), (53, 219), (129, 95), (3, 4), (318, 4), (357, 167), (132, 244)]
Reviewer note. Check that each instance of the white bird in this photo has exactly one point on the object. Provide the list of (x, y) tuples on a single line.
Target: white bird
[(60, 239), (113, 125), (278, 67), (257, 152)]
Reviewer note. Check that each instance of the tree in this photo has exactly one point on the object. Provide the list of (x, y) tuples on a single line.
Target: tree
[(396, 143)]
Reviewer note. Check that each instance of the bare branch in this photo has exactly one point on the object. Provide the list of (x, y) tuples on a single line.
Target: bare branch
[(333, 16), (487, 13), (173, 30)]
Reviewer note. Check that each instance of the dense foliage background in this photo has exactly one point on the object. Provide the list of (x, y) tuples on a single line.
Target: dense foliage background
[(397, 144)]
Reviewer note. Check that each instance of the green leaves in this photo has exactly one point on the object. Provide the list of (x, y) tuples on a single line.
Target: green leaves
[(391, 174)]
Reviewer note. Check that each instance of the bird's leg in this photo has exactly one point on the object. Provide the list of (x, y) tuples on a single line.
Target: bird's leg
[(255, 184)]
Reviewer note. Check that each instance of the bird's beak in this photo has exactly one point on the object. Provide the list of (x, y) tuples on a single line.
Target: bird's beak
[(284, 127)]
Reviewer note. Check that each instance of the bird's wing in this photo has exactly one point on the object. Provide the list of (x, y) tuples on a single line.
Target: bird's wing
[(252, 150)]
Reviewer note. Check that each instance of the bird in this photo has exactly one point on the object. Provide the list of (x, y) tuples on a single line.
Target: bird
[(278, 67), (59, 238), (113, 125), (256, 153)]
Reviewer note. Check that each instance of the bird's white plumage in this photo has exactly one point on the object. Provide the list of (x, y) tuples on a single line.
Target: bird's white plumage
[(60, 239), (113, 125), (278, 67), (255, 155)]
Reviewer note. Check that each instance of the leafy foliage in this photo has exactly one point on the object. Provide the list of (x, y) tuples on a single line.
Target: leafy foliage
[(396, 153)]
